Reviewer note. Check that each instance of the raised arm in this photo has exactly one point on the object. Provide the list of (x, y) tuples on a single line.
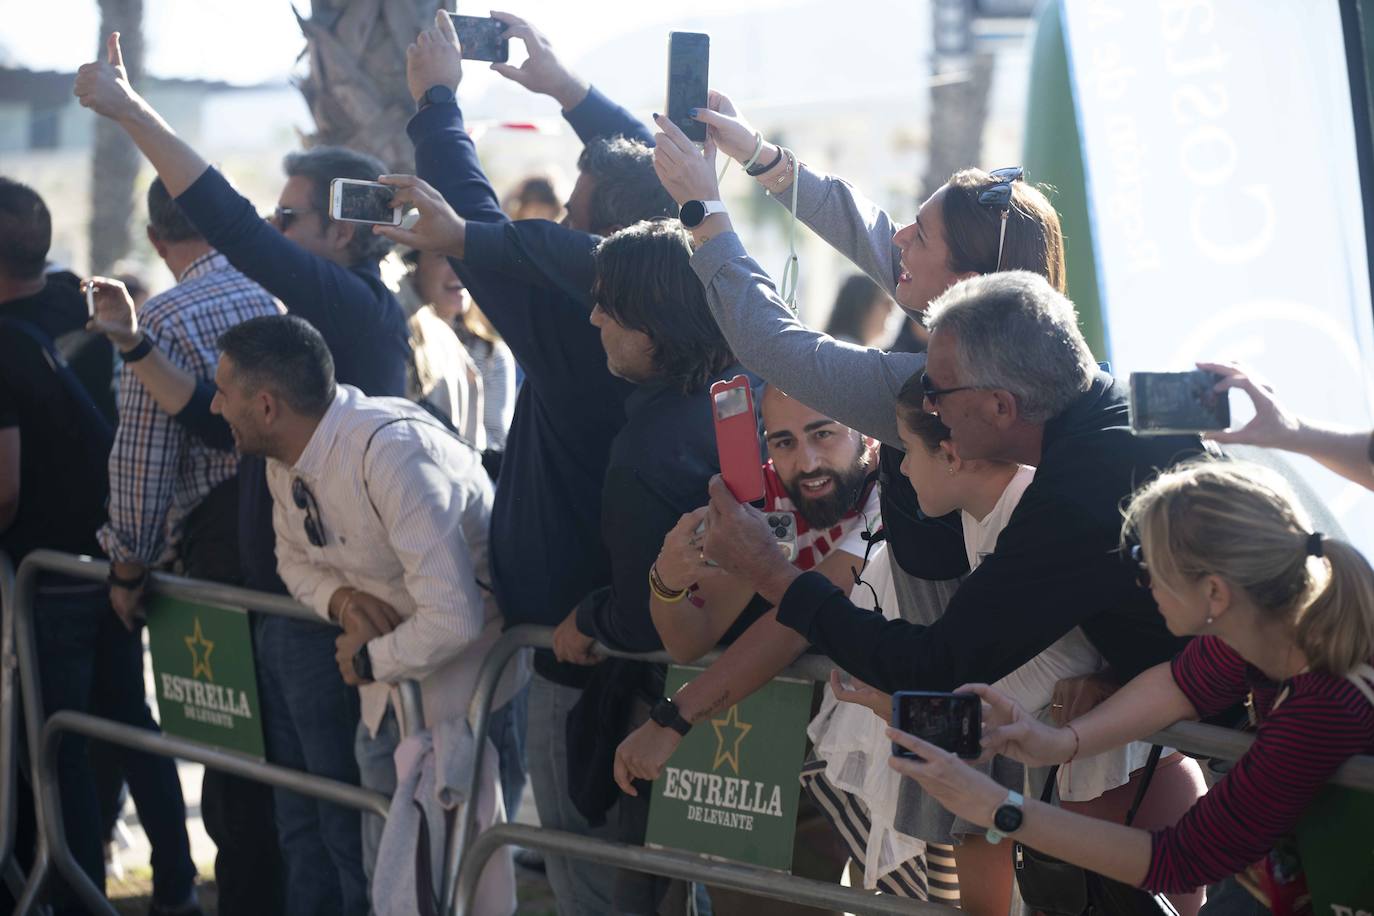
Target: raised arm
[(855, 385)]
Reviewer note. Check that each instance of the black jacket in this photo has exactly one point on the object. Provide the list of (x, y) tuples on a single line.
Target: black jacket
[(1057, 566)]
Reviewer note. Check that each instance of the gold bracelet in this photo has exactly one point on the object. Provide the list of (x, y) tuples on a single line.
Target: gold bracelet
[(661, 590)]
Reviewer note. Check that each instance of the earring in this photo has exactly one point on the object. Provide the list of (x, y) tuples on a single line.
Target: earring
[(950, 470), (1209, 620)]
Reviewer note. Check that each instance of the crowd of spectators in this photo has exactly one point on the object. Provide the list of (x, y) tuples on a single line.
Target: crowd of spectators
[(422, 472)]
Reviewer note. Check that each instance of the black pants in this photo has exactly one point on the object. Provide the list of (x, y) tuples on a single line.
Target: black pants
[(237, 812)]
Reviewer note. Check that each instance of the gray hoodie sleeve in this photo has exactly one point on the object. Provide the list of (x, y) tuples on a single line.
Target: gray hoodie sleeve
[(855, 385), (853, 225)]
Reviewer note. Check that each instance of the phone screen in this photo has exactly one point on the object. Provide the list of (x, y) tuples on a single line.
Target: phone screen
[(689, 56), (950, 721), (731, 403), (482, 38), (365, 202), (1177, 402)]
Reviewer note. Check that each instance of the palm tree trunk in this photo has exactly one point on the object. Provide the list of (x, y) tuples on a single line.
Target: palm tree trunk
[(116, 161), (356, 85)]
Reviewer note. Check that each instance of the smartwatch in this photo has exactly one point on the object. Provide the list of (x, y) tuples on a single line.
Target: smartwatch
[(665, 713), (138, 350), (435, 95), (1008, 817), (694, 212), (362, 663)]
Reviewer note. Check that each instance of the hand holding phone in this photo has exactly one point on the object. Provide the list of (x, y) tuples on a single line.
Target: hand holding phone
[(353, 201), (1167, 403), (950, 721), (737, 438)]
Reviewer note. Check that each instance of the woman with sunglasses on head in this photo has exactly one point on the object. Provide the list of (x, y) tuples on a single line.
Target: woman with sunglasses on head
[(1284, 618)]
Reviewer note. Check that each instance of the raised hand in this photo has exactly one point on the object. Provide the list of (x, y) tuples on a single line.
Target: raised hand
[(1272, 426), (965, 791), (103, 85), (733, 135), (687, 173), (114, 312), (739, 540), (542, 71), (682, 560), (435, 58), (437, 229)]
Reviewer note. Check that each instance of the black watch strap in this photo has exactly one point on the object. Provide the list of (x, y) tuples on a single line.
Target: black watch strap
[(138, 351), (666, 714), (132, 584), (434, 95), (362, 663)]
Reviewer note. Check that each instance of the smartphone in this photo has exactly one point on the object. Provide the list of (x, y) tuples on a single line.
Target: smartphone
[(482, 38), (784, 528), (1177, 402), (689, 58), (90, 299), (356, 201), (737, 438), (950, 721)]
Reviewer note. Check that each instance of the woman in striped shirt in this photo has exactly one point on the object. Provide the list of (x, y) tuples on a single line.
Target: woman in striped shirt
[(1284, 618)]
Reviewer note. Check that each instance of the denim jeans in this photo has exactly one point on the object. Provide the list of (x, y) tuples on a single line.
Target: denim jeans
[(582, 888), (309, 718), (506, 731), (377, 766), (88, 662)]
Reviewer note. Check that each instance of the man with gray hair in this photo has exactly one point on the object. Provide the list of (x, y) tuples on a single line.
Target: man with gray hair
[(1011, 376)]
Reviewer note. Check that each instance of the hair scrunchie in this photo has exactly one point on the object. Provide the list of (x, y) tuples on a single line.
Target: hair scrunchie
[(1314, 544)]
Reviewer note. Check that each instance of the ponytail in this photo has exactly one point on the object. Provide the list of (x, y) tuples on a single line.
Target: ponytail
[(1336, 630)]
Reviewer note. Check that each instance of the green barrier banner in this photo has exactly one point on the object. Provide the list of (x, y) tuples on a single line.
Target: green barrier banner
[(207, 687), (1338, 853), (730, 789)]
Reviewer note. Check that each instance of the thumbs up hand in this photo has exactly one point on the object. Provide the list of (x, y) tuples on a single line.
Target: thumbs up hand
[(103, 85)]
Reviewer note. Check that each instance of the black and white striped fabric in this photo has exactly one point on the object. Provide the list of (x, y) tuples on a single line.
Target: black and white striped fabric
[(929, 877)]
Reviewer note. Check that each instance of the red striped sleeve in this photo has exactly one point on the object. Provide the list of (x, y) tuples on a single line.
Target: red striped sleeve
[(1211, 675), (1297, 748)]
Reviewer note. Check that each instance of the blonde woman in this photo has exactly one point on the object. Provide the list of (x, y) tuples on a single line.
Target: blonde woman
[(1283, 616)]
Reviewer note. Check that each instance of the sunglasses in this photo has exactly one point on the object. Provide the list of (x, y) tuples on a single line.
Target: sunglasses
[(1142, 571), (285, 216), (998, 196), (304, 499), (933, 394)]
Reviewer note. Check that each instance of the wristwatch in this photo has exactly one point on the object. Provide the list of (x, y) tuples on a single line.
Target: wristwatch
[(694, 212), (665, 713), (1008, 817), (362, 663), (433, 96)]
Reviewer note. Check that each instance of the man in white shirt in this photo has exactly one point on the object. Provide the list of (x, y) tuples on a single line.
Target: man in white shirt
[(381, 521)]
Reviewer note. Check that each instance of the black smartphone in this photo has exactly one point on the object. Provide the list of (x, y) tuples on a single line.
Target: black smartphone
[(689, 59), (482, 38), (950, 721), (1177, 402)]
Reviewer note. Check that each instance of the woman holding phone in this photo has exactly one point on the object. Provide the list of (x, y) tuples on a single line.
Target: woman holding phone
[(1284, 618)]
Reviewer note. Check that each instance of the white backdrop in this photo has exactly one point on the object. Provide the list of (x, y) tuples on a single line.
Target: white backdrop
[(1226, 202)]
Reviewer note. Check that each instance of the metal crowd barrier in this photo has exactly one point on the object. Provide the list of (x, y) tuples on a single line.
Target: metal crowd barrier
[(45, 733), (9, 732), (466, 856)]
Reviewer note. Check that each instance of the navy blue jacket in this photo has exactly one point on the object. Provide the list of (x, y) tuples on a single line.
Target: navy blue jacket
[(356, 313), (547, 553)]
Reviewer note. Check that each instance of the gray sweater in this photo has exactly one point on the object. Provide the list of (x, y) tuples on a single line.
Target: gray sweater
[(855, 385)]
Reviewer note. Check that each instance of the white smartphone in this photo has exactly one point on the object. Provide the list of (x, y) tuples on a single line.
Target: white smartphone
[(354, 201)]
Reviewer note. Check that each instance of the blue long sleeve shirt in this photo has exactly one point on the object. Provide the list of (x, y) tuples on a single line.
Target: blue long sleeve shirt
[(547, 553), (356, 313)]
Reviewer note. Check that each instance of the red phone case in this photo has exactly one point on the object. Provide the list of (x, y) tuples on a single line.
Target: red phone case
[(737, 438)]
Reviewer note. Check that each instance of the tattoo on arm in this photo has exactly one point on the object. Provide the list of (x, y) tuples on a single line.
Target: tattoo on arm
[(716, 705)]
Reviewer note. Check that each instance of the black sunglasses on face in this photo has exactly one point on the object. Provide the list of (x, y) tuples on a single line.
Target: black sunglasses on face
[(283, 217), (998, 196), (1142, 571), (304, 499), (933, 394)]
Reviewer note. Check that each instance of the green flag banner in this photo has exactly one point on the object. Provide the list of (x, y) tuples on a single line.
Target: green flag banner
[(207, 687), (730, 789)]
